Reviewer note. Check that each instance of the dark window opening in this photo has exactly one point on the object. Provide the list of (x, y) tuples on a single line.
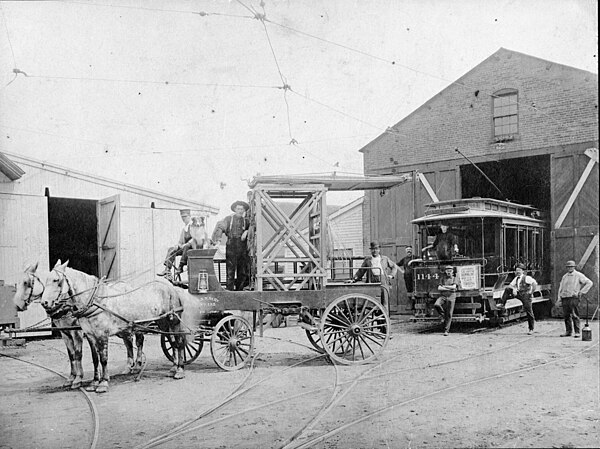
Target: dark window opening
[(72, 233), (522, 180)]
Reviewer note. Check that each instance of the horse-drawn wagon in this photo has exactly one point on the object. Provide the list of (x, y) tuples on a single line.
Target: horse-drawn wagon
[(291, 274)]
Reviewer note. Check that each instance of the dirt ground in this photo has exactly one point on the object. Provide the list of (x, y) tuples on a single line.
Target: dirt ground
[(493, 388)]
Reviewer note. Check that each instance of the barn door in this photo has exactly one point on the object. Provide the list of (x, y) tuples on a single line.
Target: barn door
[(575, 220), (109, 213)]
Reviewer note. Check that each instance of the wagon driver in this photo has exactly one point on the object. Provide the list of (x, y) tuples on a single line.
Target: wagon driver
[(182, 247), (235, 227)]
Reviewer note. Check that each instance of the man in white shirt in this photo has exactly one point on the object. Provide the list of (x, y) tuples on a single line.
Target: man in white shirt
[(378, 268), (522, 288), (573, 286)]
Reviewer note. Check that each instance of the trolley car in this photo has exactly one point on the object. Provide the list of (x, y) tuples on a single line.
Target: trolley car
[(345, 321), (493, 237)]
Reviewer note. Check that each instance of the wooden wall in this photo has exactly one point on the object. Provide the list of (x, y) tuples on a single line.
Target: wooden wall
[(575, 237)]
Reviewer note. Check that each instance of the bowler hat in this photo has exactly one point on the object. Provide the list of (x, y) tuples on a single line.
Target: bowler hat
[(240, 203), (374, 245), (185, 212), (448, 267), (571, 263), (521, 266)]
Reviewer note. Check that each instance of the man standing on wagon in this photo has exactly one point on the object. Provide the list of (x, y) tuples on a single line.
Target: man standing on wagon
[(378, 268), (235, 227)]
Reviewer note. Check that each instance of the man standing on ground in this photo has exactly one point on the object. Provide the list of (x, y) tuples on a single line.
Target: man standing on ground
[(445, 303), (573, 286), (407, 272), (235, 227), (522, 288)]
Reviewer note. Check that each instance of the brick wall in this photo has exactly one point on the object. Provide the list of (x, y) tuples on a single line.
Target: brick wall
[(558, 105)]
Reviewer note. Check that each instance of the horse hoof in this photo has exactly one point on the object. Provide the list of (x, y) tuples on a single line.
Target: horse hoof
[(102, 389), (67, 385), (92, 387), (173, 369), (179, 375), (76, 385)]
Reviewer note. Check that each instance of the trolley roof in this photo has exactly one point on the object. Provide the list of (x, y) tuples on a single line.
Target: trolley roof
[(481, 208), (333, 182)]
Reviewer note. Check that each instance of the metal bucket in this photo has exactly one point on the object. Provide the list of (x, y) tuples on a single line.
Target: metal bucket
[(586, 333)]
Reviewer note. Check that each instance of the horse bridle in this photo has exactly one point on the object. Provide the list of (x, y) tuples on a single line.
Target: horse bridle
[(61, 307), (32, 278)]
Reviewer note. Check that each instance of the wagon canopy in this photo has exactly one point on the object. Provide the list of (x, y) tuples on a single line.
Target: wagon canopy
[(334, 182)]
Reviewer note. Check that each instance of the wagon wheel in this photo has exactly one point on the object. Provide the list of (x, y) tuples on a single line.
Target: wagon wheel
[(313, 335), (354, 329), (192, 347), (232, 343)]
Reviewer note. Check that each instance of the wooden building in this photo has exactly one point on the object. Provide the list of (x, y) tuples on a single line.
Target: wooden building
[(103, 227), (529, 124)]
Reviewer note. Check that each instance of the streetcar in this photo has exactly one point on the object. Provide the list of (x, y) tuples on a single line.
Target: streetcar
[(491, 237)]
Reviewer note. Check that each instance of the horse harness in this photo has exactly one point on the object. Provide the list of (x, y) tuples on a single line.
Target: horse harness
[(83, 312), (63, 308)]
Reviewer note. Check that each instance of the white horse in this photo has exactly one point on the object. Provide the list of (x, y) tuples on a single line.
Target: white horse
[(29, 289), (104, 310)]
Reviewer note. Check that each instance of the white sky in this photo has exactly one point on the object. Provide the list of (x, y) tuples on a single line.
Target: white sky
[(96, 97)]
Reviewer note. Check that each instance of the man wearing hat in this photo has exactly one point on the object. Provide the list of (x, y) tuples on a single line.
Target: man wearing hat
[(235, 227), (522, 288), (184, 243), (378, 268), (445, 303), (573, 286)]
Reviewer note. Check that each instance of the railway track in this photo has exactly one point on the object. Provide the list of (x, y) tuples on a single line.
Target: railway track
[(92, 406), (338, 393), (304, 436)]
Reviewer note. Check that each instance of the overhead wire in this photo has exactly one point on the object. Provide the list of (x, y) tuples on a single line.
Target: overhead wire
[(285, 87), (165, 82), (421, 72), (141, 8)]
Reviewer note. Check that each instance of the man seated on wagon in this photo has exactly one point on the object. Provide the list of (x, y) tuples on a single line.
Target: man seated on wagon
[(378, 269), (193, 235)]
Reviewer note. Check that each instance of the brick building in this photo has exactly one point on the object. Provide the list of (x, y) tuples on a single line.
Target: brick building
[(530, 124)]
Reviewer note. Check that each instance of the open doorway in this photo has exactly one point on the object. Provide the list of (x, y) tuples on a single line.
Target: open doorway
[(523, 180), (73, 234)]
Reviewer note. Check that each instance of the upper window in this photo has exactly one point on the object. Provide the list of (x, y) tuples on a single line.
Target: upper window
[(505, 113)]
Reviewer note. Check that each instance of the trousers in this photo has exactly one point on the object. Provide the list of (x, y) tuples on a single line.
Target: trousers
[(570, 308), (445, 307), (236, 263)]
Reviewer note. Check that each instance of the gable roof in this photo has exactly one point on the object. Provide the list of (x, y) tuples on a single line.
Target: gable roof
[(11, 170), (500, 52), (107, 182)]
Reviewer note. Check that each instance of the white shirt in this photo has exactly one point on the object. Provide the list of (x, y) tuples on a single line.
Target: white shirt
[(376, 266)]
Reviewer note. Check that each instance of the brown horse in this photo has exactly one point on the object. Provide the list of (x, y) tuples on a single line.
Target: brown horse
[(104, 310)]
